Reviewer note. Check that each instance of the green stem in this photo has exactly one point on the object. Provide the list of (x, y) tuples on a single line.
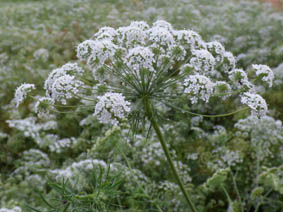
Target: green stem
[(166, 151)]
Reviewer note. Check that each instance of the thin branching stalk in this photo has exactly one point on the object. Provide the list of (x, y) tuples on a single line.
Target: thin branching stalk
[(166, 151)]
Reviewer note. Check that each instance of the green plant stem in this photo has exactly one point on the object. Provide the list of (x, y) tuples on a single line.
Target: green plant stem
[(237, 190), (166, 151)]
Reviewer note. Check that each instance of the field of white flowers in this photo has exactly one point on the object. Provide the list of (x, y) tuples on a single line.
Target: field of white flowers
[(139, 105)]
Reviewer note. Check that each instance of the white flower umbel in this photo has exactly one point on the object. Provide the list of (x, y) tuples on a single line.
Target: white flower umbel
[(43, 104), (189, 39), (229, 62), (106, 33), (217, 50), (140, 58), (140, 24), (30, 128), (84, 49), (199, 87), (202, 61), (222, 88), (240, 79), (69, 68), (72, 69), (255, 102), (22, 91), (163, 24), (264, 73), (161, 38), (131, 36), (101, 50), (65, 87), (111, 108)]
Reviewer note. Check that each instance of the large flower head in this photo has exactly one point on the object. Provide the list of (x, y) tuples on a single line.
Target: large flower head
[(137, 64)]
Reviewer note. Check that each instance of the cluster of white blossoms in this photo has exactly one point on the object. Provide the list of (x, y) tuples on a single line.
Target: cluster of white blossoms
[(34, 158), (131, 36), (61, 83), (15, 209), (189, 39), (140, 58), (76, 168), (30, 128), (105, 33), (42, 105), (64, 88), (153, 154), (22, 91), (217, 50), (199, 87), (202, 61), (240, 79), (139, 61), (255, 102), (111, 108), (264, 134), (224, 157), (264, 72), (59, 145)]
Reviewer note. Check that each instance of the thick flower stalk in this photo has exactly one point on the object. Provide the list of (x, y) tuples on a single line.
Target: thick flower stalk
[(133, 71)]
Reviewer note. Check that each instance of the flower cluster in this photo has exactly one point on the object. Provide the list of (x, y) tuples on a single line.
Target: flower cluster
[(202, 61), (265, 73), (30, 128), (199, 87), (111, 108), (61, 83), (264, 134), (22, 91), (255, 102)]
